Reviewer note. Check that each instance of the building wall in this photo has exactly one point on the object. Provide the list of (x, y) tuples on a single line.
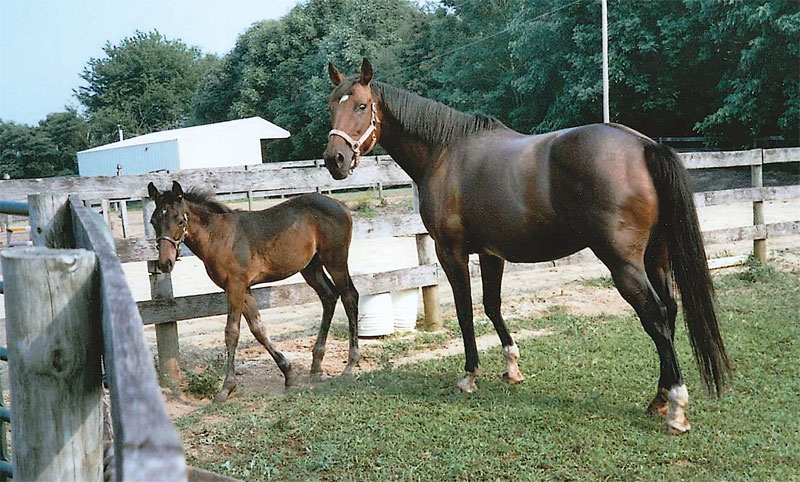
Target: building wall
[(229, 148), (139, 159)]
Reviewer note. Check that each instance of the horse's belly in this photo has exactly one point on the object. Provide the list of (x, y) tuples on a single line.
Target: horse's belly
[(532, 246)]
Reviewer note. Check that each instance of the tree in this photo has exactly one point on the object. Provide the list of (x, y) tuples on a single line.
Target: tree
[(144, 84)]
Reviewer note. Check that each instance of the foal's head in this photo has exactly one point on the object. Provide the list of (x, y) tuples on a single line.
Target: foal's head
[(170, 222), (354, 116)]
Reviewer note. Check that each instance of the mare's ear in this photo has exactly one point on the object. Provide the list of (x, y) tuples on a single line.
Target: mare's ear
[(334, 74), (366, 72), (152, 190), (177, 190)]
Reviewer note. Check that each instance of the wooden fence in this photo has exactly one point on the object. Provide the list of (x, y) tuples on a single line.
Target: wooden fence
[(69, 310), (164, 310)]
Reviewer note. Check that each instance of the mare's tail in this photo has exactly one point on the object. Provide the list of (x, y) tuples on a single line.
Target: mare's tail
[(680, 229)]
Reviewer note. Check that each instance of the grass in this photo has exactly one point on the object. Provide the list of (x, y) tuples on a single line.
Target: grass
[(578, 416), (601, 282), (206, 382)]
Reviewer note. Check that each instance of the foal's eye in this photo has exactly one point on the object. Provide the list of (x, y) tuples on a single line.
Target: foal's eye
[(362, 106)]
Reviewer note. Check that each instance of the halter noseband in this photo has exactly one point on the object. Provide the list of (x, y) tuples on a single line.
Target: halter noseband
[(176, 243), (356, 145)]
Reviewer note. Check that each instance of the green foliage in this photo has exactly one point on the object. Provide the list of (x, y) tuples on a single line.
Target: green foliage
[(756, 271), (580, 415), (44, 150), (206, 382), (145, 83)]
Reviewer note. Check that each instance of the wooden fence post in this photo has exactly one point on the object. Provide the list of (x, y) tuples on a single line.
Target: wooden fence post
[(54, 347), (426, 254), (757, 180), (249, 200), (51, 224), (123, 210), (166, 333)]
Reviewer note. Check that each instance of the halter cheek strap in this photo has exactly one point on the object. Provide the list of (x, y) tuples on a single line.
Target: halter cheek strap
[(177, 242), (355, 145)]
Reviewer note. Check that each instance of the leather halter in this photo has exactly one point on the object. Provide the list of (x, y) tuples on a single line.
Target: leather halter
[(176, 243), (356, 145)]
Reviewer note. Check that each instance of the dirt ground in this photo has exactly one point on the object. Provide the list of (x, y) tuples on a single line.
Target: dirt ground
[(525, 293)]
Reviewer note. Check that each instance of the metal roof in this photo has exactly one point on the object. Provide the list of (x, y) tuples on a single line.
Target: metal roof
[(250, 126)]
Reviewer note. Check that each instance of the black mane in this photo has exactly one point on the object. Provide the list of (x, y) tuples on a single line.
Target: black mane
[(428, 119), (206, 199)]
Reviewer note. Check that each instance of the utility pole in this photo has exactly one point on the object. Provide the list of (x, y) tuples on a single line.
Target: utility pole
[(606, 117)]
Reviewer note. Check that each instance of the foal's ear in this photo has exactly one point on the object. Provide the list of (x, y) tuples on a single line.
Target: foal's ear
[(334, 74), (366, 72), (177, 190), (152, 190)]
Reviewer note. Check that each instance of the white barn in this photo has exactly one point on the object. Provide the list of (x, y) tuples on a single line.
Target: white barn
[(231, 143)]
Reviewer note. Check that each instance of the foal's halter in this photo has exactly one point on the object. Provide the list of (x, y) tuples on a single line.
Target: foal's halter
[(177, 242), (356, 145)]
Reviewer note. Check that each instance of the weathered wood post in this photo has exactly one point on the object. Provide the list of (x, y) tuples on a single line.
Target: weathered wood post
[(757, 180), (123, 211), (51, 224), (426, 254), (166, 333), (54, 347)]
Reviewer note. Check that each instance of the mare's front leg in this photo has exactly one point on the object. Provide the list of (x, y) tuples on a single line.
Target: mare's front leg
[(455, 264), (253, 318), (492, 277), (235, 307)]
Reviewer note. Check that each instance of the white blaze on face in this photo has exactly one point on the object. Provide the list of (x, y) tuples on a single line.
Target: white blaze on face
[(344, 98)]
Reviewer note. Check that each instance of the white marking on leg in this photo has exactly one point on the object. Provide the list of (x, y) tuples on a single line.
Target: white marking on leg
[(678, 400), (467, 384), (512, 374)]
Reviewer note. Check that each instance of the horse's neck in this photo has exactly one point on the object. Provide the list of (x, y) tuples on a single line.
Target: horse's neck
[(198, 238), (411, 153)]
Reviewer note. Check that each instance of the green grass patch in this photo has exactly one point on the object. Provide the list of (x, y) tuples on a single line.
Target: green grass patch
[(206, 382), (600, 282), (578, 416)]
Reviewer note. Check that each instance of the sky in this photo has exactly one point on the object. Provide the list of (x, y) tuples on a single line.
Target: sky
[(45, 44)]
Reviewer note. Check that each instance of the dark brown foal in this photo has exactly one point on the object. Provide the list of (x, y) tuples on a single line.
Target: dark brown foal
[(241, 248)]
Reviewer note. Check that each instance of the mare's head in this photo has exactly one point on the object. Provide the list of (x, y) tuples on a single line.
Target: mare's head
[(354, 117), (170, 222)]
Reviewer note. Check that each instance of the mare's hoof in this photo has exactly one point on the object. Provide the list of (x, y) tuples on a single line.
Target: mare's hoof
[(673, 427), (347, 372), (658, 407), (316, 376), (466, 385), (513, 378)]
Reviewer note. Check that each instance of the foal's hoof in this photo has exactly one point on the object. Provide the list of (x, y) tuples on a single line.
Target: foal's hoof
[(347, 372), (674, 427), (224, 394), (513, 378), (289, 379), (316, 376)]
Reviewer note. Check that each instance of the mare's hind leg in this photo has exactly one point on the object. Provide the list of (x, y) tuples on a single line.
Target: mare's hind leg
[(632, 282), (658, 272), (253, 318), (492, 278), (316, 278), (336, 264), (235, 307)]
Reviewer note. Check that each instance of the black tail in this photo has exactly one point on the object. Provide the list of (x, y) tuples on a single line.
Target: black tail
[(680, 229)]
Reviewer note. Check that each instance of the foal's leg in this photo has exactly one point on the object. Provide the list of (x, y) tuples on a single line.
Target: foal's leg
[(344, 286), (632, 282), (253, 318), (315, 277), (235, 307), (492, 278), (455, 265)]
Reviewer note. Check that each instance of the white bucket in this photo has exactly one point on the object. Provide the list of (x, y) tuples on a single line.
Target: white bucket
[(375, 315), (404, 309)]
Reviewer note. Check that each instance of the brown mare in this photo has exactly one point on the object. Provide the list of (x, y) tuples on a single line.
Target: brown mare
[(486, 189), (242, 248)]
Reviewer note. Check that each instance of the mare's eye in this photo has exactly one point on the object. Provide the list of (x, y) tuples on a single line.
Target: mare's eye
[(362, 106)]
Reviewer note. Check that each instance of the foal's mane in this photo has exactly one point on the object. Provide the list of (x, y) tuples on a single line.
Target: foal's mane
[(430, 120), (206, 200)]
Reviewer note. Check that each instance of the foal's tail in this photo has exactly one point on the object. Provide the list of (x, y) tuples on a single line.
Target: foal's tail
[(679, 227)]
